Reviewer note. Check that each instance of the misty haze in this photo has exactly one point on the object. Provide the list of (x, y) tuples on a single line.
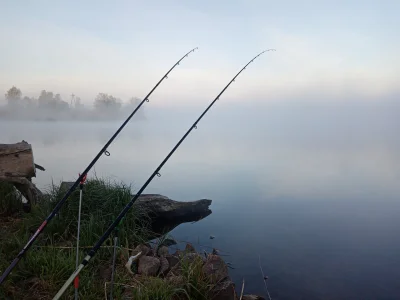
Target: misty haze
[(51, 107), (300, 155), (315, 186)]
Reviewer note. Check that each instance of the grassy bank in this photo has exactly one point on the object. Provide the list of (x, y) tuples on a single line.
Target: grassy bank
[(51, 260)]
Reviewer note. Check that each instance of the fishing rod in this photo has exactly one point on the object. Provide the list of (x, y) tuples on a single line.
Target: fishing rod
[(80, 178), (76, 283), (93, 251)]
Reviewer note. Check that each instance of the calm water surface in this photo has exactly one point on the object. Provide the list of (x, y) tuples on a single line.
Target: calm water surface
[(317, 199)]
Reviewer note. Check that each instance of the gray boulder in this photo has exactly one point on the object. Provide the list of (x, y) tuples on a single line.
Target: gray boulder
[(149, 265)]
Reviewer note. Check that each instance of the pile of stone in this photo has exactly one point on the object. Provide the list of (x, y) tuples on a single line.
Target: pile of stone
[(158, 261)]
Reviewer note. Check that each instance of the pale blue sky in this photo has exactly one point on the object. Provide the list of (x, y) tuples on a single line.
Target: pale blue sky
[(325, 48)]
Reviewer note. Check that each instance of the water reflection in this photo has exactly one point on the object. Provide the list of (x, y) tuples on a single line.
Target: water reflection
[(317, 200)]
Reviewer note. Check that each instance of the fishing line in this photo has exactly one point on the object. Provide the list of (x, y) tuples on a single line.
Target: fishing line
[(113, 263)]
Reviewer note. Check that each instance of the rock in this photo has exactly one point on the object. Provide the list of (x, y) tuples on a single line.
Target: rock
[(163, 251), (141, 248), (215, 251), (151, 252), (175, 270), (191, 257), (177, 253), (216, 268), (252, 297), (172, 261), (189, 248), (164, 266), (149, 265), (224, 290)]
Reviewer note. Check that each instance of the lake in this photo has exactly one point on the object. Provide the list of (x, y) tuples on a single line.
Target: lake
[(314, 191)]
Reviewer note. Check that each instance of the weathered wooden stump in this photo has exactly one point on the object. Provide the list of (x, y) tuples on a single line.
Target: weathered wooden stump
[(17, 167)]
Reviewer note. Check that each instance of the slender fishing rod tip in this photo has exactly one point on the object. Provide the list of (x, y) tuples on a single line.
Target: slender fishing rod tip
[(156, 172), (61, 202)]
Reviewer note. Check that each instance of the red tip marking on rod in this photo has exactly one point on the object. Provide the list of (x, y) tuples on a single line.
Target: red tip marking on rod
[(83, 179), (41, 226), (76, 282)]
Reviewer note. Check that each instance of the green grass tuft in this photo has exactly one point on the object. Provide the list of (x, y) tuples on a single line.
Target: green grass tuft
[(51, 260), (156, 288), (196, 283)]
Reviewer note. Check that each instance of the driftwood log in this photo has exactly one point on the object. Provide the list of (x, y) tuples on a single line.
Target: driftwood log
[(17, 167), (165, 213)]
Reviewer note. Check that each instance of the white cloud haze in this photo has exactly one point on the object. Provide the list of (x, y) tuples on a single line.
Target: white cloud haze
[(123, 48)]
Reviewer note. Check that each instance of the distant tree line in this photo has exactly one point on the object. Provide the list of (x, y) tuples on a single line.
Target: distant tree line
[(104, 105)]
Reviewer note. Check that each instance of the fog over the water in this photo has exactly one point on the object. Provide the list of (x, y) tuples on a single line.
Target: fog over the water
[(300, 140), (300, 156), (309, 184)]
